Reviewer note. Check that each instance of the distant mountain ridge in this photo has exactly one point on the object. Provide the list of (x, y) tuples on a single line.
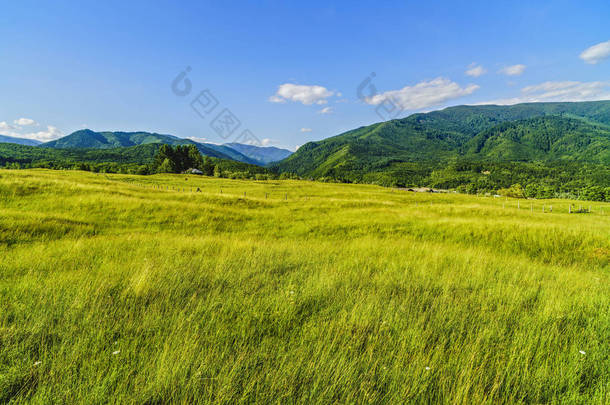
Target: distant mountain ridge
[(19, 141), (263, 154), (88, 139)]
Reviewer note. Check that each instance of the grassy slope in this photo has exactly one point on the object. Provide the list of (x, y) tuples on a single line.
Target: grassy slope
[(341, 293)]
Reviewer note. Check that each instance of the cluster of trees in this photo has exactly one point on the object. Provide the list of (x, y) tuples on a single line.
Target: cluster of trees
[(181, 158), (176, 160)]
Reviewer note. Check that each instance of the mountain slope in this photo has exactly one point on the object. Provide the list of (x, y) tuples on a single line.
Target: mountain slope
[(441, 136), (262, 154), (18, 141), (233, 154), (88, 139), (543, 138)]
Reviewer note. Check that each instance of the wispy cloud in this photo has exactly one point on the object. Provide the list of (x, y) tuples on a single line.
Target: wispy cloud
[(5, 126), (596, 53), (475, 70), (24, 122), (301, 94), (424, 94), (50, 134), (514, 70), (306, 129), (559, 91), (326, 110)]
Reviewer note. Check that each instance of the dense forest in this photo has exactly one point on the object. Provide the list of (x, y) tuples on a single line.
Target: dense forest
[(141, 159)]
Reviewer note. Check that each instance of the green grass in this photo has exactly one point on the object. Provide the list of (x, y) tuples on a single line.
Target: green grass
[(299, 292)]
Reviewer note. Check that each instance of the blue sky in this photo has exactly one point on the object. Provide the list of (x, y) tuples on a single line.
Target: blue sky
[(289, 72)]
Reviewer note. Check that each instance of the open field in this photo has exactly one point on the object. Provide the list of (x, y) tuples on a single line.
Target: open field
[(118, 288)]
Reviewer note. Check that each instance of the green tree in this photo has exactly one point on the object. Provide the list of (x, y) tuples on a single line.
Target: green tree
[(167, 166)]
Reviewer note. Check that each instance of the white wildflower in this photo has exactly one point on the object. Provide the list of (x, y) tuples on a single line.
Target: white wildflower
[(116, 352), (582, 352)]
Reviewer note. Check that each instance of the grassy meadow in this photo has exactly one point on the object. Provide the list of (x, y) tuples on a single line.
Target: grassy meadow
[(139, 289)]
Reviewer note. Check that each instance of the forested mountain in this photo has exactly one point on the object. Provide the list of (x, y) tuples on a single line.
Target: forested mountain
[(552, 148), (89, 139), (523, 132), (263, 154), (547, 138), (18, 141)]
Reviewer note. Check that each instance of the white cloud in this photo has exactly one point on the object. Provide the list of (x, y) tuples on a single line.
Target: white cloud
[(306, 129), (326, 110), (596, 53), (24, 121), (559, 91), (4, 126), (514, 70), (17, 132), (44, 136), (277, 99), (266, 142), (301, 93), (423, 94), (475, 70)]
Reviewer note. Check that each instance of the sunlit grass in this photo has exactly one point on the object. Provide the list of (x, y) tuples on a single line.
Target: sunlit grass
[(114, 288)]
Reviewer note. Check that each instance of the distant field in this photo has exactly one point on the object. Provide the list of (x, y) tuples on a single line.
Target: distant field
[(118, 288)]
